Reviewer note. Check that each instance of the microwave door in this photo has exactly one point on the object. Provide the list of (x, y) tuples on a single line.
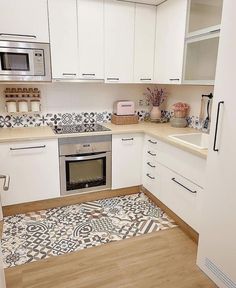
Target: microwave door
[(16, 62)]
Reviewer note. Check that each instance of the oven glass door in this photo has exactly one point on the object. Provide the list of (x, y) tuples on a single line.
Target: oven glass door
[(85, 171), (14, 61)]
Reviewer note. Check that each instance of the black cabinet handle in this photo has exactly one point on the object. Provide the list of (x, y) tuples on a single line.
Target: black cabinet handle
[(27, 148), (217, 124), (69, 74), (152, 154), (88, 74), (174, 79), (194, 192), (148, 175), (113, 79), (145, 79), (153, 142), (127, 139), (149, 164)]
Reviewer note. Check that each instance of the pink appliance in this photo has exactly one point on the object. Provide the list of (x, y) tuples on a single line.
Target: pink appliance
[(122, 108)]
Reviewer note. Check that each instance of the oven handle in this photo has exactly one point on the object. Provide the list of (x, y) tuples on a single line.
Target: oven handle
[(80, 158)]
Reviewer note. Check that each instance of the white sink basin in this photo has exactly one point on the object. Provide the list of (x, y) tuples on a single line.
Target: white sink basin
[(197, 140)]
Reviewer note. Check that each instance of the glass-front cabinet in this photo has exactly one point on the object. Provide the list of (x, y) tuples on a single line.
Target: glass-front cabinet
[(204, 16), (202, 41)]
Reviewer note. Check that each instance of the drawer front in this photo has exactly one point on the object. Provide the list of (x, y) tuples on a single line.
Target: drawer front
[(151, 142), (181, 196), (151, 177), (150, 154)]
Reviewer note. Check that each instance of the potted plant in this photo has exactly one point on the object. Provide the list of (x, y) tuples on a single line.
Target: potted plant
[(180, 109), (155, 97)]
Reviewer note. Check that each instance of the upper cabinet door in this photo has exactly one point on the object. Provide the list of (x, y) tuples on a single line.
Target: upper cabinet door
[(144, 45), (25, 20), (63, 34), (119, 41), (91, 39), (170, 38)]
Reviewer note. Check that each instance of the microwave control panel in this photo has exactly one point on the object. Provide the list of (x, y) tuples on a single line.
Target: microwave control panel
[(39, 63)]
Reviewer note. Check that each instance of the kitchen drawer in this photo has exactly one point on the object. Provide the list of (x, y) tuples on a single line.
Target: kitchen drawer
[(150, 154), (184, 163), (151, 177), (181, 196), (151, 142)]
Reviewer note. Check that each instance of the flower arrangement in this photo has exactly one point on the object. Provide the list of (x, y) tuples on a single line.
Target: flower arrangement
[(180, 109), (155, 97)]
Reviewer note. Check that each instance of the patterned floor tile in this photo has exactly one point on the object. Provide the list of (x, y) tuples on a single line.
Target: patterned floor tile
[(39, 235)]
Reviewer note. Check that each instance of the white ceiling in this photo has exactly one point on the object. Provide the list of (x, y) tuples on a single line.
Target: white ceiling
[(150, 2)]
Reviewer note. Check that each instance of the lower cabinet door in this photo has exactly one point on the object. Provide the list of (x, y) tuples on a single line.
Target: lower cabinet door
[(127, 160), (33, 167), (181, 196)]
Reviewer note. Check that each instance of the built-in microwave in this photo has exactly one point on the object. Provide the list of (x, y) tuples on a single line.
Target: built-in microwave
[(24, 61)]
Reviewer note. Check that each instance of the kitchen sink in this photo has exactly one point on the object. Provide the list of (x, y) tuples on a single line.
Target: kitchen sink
[(198, 140)]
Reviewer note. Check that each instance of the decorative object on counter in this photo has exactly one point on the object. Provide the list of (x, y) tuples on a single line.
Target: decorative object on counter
[(22, 100), (155, 97), (123, 108), (124, 120), (180, 113), (205, 111)]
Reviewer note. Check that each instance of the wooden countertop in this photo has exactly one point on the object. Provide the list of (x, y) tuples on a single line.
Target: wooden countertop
[(159, 131)]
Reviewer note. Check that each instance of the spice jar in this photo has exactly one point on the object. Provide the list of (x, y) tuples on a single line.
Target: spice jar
[(35, 105), (23, 106), (11, 106)]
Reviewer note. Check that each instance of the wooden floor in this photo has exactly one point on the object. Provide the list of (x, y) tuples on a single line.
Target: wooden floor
[(163, 259)]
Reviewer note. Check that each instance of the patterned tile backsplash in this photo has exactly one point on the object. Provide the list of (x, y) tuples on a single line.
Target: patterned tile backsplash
[(52, 119)]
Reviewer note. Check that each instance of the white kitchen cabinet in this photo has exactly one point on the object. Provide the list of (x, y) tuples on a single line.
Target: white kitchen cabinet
[(119, 41), (204, 16), (91, 39), (181, 196), (33, 167), (170, 39), (63, 38), (25, 20), (144, 43), (175, 177), (201, 59), (127, 160)]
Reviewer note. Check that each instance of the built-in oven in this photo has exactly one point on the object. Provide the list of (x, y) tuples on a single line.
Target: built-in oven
[(24, 61), (85, 164)]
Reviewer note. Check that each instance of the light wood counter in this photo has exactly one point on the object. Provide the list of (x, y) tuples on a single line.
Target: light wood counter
[(159, 131)]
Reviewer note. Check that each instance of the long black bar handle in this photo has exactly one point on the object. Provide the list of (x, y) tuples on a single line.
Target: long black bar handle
[(177, 182), (217, 124)]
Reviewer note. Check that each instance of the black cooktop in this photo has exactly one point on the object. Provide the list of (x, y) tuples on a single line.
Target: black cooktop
[(67, 129)]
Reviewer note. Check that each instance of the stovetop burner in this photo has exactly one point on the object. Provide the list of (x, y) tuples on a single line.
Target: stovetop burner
[(67, 129)]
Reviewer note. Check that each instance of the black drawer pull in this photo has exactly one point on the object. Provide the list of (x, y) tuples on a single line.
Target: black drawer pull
[(113, 79), (152, 154), (69, 74), (153, 142), (174, 79), (149, 164), (217, 124), (194, 192), (145, 79), (88, 74), (26, 148), (148, 175), (127, 139)]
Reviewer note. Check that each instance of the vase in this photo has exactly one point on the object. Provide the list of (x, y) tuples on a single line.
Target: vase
[(155, 113)]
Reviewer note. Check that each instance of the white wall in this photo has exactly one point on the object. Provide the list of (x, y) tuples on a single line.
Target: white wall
[(82, 97)]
